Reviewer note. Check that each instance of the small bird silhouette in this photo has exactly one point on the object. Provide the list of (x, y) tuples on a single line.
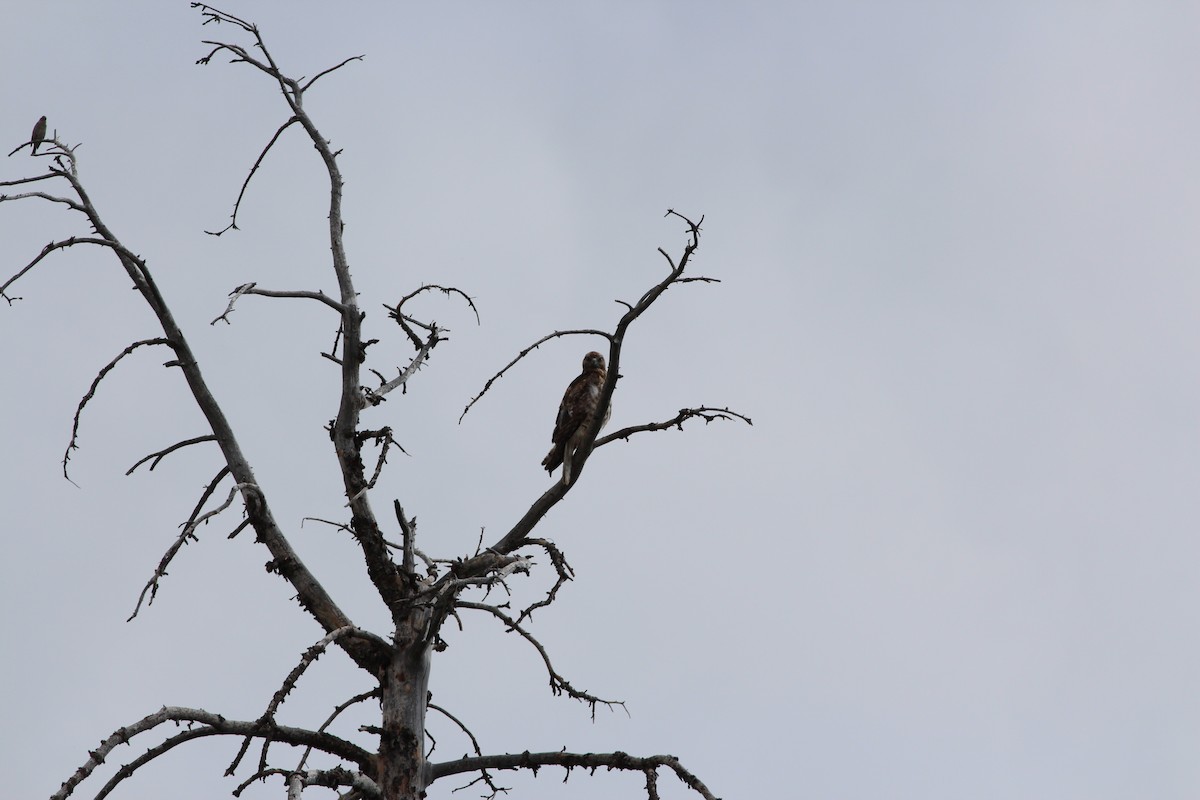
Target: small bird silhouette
[(39, 134)]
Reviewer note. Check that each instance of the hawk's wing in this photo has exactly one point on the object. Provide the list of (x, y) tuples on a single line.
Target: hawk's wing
[(578, 403)]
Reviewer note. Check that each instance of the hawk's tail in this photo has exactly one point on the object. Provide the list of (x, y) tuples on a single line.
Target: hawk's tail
[(554, 458)]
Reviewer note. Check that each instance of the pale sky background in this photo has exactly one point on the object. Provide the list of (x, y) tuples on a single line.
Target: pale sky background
[(955, 557)]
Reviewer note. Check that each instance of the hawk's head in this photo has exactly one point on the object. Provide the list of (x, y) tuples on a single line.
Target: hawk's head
[(593, 361)]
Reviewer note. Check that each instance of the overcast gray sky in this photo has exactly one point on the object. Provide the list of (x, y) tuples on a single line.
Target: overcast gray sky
[(956, 555)]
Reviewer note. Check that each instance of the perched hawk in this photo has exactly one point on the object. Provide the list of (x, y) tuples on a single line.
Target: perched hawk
[(575, 412), (39, 134)]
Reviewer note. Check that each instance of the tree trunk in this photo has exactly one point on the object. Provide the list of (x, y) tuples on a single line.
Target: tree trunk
[(402, 772)]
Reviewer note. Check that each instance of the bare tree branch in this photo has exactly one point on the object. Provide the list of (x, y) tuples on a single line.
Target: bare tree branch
[(65, 243), (408, 530), (384, 436), (161, 454), (652, 785), (252, 288), (486, 570), (245, 184), (297, 779), (68, 202), (289, 683), (525, 352), (375, 396), (446, 290), (535, 761), (459, 723), (703, 412), (187, 533), (424, 347), (383, 573), (558, 684), (91, 392), (260, 776), (218, 725), (339, 776), (337, 712), (166, 746), (325, 72), (561, 568), (484, 776)]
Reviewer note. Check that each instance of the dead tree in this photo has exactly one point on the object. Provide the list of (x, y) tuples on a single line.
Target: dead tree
[(420, 592)]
